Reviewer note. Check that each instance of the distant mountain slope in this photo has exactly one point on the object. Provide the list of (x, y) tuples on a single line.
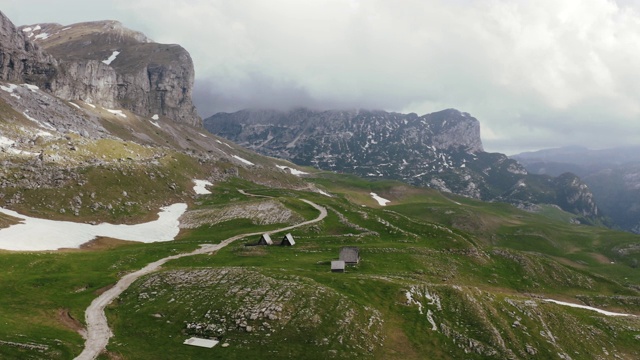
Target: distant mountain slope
[(442, 150), (613, 175)]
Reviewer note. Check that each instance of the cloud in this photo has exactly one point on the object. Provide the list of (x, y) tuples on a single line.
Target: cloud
[(536, 74)]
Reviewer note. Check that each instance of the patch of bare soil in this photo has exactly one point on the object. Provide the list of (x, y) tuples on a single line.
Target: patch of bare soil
[(104, 243), (6, 221), (600, 258), (69, 321)]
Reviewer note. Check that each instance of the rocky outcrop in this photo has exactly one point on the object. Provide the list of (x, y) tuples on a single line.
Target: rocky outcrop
[(442, 150), (102, 63), (613, 175), (116, 67), (90, 81), (23, 61)]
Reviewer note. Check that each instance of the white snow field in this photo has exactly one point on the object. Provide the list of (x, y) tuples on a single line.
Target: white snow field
[(35, 234), (380, 200), (200, 187)]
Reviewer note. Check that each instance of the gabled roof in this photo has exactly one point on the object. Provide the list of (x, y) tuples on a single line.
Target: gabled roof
[(288, 240), (350, 254), (337, 265), (265, 239)]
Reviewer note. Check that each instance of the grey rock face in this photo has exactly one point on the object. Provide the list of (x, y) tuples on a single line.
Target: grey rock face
[(21, 60), (102, 63), (90, 81), (442, 150), (613, 175)]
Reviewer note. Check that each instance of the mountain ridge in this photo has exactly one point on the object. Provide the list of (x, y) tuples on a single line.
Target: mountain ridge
[(442, 150), (74, 62), (612, 174)]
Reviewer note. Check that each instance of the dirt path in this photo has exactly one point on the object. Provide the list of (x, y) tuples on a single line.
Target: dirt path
[(98, 331)]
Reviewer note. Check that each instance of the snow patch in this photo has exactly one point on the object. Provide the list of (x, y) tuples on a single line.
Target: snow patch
[(65, 29), (37, 28), (203, 135), (200, 187), (155, 124), (42, 36), (74, 104), (117, 112), (292, 170), (155, 117), (33, 88), (27, 29), (90, 104), (380, 200), (243, 160), (35, 234), (604, 312), (9, 88), (324, 193), (111, 58)]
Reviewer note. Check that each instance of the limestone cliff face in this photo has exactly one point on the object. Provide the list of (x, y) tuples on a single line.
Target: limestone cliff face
[(102, 63), (442, 150), (23, 61), (90, 81)]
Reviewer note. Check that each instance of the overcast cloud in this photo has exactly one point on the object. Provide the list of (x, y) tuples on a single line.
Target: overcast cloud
[(536, 74)]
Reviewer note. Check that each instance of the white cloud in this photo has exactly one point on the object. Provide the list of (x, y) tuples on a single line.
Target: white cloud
[(542, 73)]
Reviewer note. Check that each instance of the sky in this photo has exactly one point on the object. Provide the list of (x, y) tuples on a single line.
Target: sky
[(536, 74)]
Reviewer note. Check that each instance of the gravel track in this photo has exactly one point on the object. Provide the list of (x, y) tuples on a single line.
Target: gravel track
[(98, 331)]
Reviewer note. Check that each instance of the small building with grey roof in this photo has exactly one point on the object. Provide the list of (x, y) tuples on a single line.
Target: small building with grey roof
[(350, 255)]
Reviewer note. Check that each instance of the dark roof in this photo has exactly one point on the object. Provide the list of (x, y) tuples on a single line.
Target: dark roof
[(288, 240), (265, 239), (350, 254)]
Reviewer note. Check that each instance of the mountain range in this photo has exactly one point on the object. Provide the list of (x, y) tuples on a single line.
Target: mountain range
[(442, 150), (99, 139), (613, 175)]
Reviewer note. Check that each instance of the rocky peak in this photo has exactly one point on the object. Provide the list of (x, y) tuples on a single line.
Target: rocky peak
[(21, 60), (103, 63), (453, 128), (442, 150)]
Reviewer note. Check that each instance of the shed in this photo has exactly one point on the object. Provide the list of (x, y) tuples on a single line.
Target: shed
[(337, 266), (350, 255), (265, 239), (287, 240)]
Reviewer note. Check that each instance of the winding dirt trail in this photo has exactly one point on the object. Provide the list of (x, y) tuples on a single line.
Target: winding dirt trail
[(98, 331)]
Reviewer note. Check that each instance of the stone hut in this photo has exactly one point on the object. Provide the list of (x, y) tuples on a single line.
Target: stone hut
[(337, 266), (350, 255)]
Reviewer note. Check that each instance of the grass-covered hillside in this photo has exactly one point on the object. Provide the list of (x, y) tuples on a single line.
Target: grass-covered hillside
[(425, 288), (440, 276)]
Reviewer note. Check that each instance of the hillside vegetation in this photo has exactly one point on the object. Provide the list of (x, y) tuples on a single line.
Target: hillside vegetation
[(439, 277)]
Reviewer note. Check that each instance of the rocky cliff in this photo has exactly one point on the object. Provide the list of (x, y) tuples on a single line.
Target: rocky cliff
[(22, 60), (612, 174), (442, 150), (102, 63)]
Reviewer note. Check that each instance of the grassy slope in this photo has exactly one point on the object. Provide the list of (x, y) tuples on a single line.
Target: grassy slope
[(481, 260), (483, 285)]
